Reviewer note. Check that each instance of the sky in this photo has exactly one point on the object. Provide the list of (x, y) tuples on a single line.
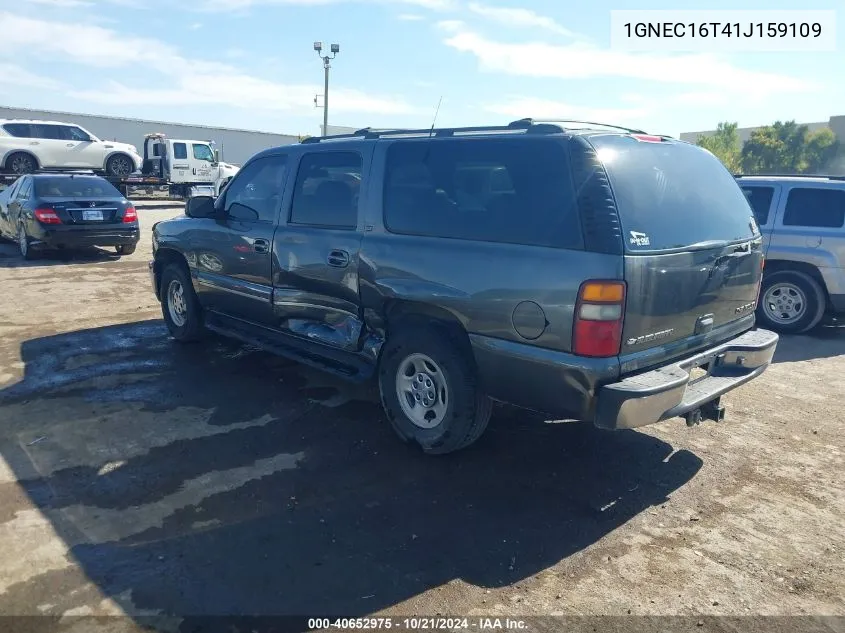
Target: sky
[(250, 64)]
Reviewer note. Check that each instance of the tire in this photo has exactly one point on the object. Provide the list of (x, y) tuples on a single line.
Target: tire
[(791, 302), (430, 353), (125, 249), (23, 243), (119, 165), (21, 163), (183, 317)]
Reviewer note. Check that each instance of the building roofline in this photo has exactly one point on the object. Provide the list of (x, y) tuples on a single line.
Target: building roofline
[(149, 121)]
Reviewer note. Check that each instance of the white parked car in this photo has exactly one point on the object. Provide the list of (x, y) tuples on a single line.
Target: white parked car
[(29, 145)]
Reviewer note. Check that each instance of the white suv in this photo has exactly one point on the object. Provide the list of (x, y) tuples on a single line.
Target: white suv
[(29, 145)]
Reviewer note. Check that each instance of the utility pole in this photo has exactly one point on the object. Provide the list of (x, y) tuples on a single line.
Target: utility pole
[(335, 49)]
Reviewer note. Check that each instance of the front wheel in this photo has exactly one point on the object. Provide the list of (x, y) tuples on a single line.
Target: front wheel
[(430, 393), (791, 302), (179, 305)]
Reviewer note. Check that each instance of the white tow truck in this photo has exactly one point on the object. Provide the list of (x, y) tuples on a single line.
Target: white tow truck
[(177, 168), (188, 168)]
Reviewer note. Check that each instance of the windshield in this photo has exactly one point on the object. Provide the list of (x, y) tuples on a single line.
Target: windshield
[(75, 187), (672, 195)]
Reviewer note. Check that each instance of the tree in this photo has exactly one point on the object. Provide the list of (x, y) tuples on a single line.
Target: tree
[(788, 148), (724, 144), (821, 151)]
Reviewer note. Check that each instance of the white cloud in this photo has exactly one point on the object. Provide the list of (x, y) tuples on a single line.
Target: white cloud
[(410, 17), (584, 61), (195, 26), (183, 81), (519, 18), (63, 3), (13, 75), (241, 5), (521, 107)]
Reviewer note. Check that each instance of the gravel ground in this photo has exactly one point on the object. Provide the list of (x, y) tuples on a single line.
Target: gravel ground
[(143, 477)]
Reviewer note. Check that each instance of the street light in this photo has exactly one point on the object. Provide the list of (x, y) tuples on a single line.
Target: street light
[(335, 49)]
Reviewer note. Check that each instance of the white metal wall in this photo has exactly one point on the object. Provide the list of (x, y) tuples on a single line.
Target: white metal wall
[(235, 146)]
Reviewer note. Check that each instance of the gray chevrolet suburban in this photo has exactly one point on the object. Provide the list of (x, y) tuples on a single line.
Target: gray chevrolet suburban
[(802, 219), (585, 271)]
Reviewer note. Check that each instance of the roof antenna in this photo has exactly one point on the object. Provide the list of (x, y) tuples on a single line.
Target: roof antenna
[(436, 112)]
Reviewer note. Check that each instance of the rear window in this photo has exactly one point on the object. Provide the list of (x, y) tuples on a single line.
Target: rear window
[(671, 195), (514, 190), (75, 187)]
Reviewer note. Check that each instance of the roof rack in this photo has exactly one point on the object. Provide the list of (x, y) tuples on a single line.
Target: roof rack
[(524, 126), (820, 176), (530, 121)]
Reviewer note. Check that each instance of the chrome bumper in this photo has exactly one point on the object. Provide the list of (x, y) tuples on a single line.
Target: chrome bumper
[(669, 392)]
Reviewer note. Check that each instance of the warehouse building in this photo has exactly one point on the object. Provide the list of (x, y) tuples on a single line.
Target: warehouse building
[(836, 124), (235, 145)]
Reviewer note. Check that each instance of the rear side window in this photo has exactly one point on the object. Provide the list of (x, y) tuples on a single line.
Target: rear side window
[(53, 132), (671, 195), (180, 151), (327, 188), (21, 130), (760, 199), (514, 190), (822, 208), (75, 187)]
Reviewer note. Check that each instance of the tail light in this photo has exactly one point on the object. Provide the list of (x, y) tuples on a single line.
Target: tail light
[(130, 215), (47, 216), (599, 313)]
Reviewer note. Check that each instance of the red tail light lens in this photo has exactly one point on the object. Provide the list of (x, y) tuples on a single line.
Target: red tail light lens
[(130, 215), (599, 313), (47, 216)]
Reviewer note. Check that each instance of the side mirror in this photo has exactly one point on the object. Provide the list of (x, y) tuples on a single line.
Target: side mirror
[(217, 156), (200, 207)]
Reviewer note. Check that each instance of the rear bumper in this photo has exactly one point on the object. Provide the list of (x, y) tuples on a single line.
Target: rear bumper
[(668, 391), (80, 238)]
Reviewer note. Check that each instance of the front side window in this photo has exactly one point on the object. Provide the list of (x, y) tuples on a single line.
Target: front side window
[(820, 208), (326, 192), (77, 134), (760, 199), (180, 151), (19, 130), (515, 190), (255, 193), (203, 152)]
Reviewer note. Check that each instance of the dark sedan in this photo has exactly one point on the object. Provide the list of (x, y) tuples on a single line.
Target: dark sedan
[(66, 211)]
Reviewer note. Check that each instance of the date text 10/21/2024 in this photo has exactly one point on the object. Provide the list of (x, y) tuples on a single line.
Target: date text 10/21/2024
[(418, 624)]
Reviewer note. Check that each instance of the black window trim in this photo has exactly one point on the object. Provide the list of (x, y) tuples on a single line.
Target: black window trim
[(331, 227), (793, 187), (579, 248)]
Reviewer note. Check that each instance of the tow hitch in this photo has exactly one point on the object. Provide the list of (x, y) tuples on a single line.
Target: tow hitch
[(712, 410)]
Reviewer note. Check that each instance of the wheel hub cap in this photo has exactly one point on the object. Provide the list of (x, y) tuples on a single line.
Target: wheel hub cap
[(784, 303), (176, 303), (422, 391)]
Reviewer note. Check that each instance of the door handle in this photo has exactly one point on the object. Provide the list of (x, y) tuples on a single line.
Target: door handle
[(70, 144), (35, 143), (260, 246), (338, 258)]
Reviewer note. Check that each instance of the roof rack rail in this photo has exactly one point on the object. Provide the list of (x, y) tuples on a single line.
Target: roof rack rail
[(822, 176), (530, 121)]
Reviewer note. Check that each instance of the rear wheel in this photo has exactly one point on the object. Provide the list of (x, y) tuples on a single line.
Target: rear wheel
[(119, 165), (429, 391), (125, 249), (20, 163), (791, 302), (23, 243), (179, 304)]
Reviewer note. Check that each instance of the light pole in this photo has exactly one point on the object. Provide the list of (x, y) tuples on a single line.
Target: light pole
[(327, 63)]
